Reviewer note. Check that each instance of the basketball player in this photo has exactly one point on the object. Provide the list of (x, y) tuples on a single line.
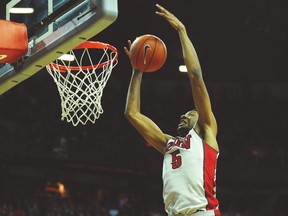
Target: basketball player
[(189, 165)]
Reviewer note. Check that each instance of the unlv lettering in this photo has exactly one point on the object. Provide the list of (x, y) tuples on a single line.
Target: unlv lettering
[(181, 142)]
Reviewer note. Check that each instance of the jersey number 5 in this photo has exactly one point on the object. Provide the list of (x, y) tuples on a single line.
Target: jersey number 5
[(176, 159)]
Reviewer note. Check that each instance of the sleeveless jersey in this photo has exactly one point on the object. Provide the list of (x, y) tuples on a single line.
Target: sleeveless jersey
[(189, 176)]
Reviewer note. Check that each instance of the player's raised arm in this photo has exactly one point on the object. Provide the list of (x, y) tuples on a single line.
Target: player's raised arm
[(144, 125), (199, 91)]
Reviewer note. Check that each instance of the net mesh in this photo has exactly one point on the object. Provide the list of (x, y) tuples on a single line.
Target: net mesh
[(81, 81)]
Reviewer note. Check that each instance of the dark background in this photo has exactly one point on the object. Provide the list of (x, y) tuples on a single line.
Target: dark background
[(242, 46)]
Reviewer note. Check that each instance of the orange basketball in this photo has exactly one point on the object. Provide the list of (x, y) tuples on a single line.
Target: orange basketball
[(148, 53)]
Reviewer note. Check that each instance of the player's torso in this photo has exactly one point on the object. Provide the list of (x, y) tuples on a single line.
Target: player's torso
[(185, 174)]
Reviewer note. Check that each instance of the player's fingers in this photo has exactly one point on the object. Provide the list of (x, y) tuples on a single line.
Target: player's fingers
[(162, 15), (129, 43), (126, 51), (162, 9)]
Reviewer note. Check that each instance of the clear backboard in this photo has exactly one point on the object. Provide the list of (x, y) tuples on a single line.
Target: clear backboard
[(54, 28)]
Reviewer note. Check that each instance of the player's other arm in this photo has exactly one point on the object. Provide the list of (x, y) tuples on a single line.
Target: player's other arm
[(199, 91), (144, 125)]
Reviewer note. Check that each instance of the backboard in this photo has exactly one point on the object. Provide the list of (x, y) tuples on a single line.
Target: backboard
[(54, 28)]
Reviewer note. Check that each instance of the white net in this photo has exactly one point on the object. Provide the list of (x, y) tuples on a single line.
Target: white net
[(81, 80)]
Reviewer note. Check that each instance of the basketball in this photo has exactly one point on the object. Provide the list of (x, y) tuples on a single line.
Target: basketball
[(148, 53)]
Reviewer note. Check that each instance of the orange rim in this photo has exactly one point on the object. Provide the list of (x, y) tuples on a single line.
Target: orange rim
[(88, 45)]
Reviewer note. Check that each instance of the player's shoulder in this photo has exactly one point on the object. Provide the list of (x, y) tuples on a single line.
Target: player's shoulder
[(168, 137), (208, 137)]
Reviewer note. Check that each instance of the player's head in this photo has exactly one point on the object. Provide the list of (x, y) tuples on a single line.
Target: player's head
[(187, 122)]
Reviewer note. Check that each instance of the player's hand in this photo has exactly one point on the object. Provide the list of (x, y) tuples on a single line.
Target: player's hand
[(127, 50), (173, 20)]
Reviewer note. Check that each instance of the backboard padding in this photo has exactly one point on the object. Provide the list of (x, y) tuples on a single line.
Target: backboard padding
[(62, 40)]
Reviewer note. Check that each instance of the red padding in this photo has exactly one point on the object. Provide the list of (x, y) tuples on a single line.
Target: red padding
[(13, 42)]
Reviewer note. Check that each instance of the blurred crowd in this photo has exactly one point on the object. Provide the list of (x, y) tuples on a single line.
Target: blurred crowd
[(114, 203), (50, 203)]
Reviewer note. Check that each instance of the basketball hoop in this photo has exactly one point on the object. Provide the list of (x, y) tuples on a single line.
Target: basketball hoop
[(80, 83)]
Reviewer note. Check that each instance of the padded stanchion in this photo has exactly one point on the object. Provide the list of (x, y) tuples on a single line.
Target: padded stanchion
[(13, 41)]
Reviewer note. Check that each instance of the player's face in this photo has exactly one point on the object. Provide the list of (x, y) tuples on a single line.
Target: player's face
[(187, 122)]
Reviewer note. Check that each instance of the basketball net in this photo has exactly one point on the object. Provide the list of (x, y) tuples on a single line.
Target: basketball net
[(80, 82)]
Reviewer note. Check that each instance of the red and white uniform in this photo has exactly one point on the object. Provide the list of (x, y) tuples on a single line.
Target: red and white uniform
[(189, 176)]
